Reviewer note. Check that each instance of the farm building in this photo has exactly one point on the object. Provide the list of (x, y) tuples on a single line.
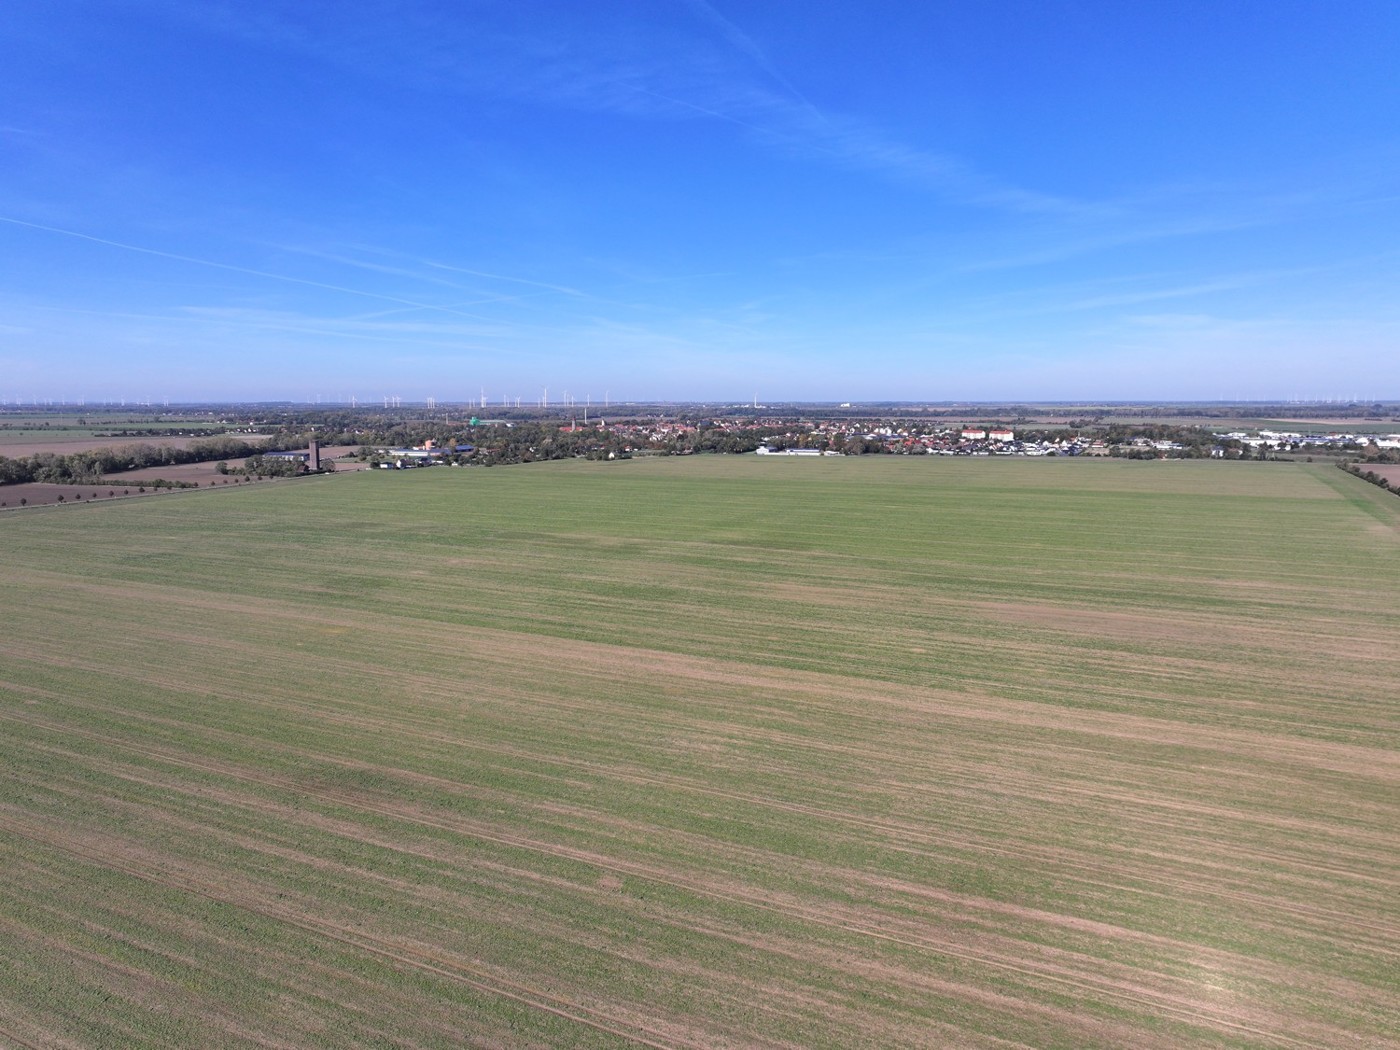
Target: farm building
[(310, 456)]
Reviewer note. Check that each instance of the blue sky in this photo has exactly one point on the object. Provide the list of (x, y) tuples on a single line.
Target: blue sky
[(974, 199)]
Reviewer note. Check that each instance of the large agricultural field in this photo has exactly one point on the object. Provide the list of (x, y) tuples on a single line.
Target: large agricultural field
[(23, 434), (707, 752)]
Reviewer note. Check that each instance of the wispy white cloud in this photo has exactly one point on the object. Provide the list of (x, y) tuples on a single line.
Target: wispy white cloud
[(704, 66), (1224, 283), (695, 107), (544, 286), (248, 271), (746, 45), (363, 264), (652, 70), (429, 270), (1141, 264)]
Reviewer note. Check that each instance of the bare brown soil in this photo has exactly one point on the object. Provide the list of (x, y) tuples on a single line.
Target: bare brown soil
[(204, 473), (192, 472), (1389, 471), (64, 445), (129, 483)]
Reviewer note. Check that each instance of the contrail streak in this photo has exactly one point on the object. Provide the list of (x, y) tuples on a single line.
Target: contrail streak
[(746, 44), (241, 269)]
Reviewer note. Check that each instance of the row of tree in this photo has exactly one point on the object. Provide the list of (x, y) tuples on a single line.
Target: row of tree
[(261, 466), (94, 464), (1370, 475)]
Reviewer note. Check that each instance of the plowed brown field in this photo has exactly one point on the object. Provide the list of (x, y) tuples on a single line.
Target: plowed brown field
[(1389, 471)]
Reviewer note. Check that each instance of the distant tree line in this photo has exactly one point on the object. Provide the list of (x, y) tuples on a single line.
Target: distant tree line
[(260, 466), (532, 441), (92, 465), (1385, 455), (520, 436), (1370, 475)]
